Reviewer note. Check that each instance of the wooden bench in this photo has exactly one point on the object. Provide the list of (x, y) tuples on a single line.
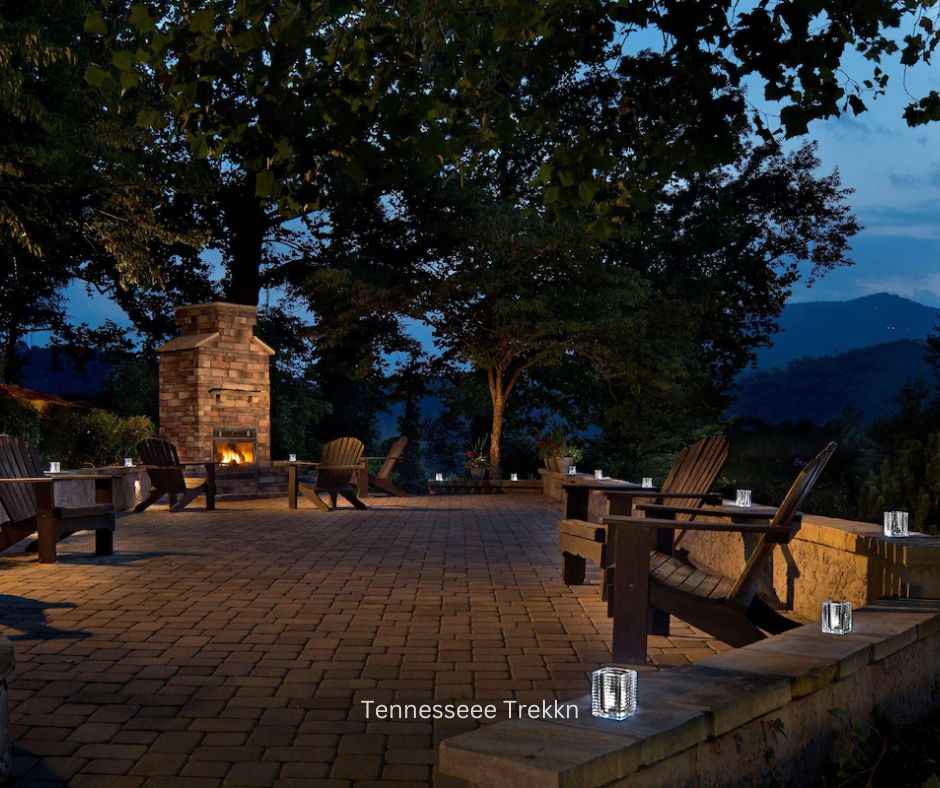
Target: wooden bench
[(28, 499)]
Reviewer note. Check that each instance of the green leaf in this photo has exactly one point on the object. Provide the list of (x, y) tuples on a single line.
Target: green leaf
[(96, 76), (94, 23), (587, 190), (545, 173), (551, 194), (202, 21), (566, 178), (264, 183), (123, 60), (141, 20), (150, 119)]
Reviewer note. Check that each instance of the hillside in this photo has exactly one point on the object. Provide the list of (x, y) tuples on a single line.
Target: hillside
[(825, 328), (820, 389)]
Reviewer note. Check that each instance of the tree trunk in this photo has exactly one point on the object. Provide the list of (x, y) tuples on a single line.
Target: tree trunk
[(247, 224), (496, 435)]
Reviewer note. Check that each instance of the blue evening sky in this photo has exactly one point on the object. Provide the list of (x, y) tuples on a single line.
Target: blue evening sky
[(894, 170)]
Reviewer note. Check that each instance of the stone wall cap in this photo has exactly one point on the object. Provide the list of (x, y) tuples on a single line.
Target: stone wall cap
[(266, 348), (219, 305), (188, 342)]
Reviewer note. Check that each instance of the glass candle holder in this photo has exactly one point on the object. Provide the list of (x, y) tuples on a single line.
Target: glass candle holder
[(292, 458), (438, 477), (55, 467), (572, 470), (513, 477), (598, 474), (128, 462), (613, 693), (742, 498), (647, 481), (836, 617), (897, 524)]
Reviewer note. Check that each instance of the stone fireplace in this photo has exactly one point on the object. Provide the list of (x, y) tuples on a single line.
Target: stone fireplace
[(215, 393)]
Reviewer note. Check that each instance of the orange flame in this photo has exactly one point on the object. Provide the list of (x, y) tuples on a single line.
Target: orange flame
[(234, 453)]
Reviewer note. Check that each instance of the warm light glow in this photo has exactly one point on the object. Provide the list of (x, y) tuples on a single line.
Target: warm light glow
[(234, 453)]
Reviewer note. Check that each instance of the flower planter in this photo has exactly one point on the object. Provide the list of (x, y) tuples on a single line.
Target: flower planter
[(563, 463), (478, 474)]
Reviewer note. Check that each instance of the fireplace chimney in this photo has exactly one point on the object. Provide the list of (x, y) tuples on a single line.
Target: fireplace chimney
[(214, 380)]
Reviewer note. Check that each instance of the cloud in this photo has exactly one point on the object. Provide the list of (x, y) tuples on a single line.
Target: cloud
[(929, 178), (918, 220), (924, 289)]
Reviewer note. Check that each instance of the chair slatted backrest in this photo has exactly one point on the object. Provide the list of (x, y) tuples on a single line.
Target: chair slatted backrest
[(18, 460), (785, 518), (391, 458), (695, 471), (340, 452), (163, 464)]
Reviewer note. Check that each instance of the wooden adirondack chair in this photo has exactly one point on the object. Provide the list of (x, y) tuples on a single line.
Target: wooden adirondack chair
[(383, 479), (340, 461), (688, 483), (28, 500), (728, 609), (163, 465)]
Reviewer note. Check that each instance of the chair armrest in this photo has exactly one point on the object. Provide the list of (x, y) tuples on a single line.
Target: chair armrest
[(706, 511), (197, 462), (375, 458), (713, 498), (28, 480), (683, 525), (67, 477), (339, 467)]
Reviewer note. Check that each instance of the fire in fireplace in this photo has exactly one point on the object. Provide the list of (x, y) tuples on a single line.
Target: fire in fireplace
[(234, 446)]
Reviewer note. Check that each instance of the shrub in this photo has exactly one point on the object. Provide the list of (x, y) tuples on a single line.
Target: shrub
[(75, 437), (908, 479), (19, 420)]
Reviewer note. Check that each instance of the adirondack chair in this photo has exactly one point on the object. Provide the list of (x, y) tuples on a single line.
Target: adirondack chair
[(383, 479), (163, 465), (728, 609), (339, 463), (29, 502), (688, 482)]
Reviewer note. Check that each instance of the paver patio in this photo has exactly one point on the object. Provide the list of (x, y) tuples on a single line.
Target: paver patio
[(234, 647)]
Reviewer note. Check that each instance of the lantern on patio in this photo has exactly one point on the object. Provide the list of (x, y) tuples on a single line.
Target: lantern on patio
[(613, 693), (742, 497), (598, 474), (513, 477), (647, 481), (128, 462), (836, 618), (572, 470), (55, 467), (897, 524), (292, 458), (438, 477)]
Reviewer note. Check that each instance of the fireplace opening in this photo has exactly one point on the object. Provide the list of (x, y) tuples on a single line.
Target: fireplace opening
[(234, 446)]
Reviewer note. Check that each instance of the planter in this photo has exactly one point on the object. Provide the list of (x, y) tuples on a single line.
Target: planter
[(563, 463), (478, 474)]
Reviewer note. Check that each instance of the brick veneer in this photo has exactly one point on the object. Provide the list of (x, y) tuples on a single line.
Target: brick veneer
[(215, 374)]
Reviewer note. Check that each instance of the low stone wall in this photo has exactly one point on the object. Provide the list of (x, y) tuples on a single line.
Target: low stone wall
[(483, 486), (130, 488), (829, 559), (759, 715)]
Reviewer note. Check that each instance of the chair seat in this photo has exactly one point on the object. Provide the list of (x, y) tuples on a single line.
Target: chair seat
[(90, 510), (681, 577)]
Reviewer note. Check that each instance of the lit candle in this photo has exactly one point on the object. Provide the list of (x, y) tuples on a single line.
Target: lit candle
[(896, 524), (742, 498), (598, 474), (55, 467), (128, 462), (292, 458), (647, 481), (613, 693), (438, 477), (572, 470), (513, 477), (836, 617)]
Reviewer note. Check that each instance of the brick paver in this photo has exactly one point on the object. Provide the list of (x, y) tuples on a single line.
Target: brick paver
[(235, 647)]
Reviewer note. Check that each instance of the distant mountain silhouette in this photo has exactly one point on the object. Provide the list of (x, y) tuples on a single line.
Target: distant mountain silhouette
[(824, 328), (58, 374), (820, 389)]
